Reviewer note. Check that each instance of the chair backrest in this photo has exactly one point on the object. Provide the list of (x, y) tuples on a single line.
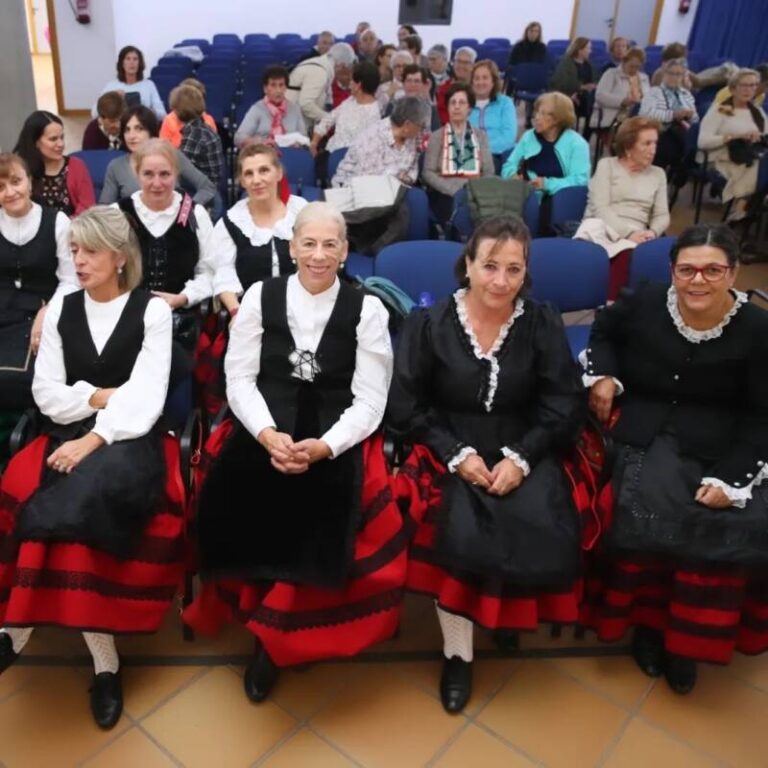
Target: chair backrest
[(650, 262), (97, 160), (333, 161), (299, 165), (572, 274), (420, 265), (309, 193), (461, 219), (568, 205), (460, 42), (418, 214), (530, 76)]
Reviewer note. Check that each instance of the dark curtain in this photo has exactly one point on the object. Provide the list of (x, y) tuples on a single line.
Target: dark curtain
[(732, 29)]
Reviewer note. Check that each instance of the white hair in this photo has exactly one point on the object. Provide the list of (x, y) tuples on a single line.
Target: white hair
[(471, 52), (342, 53), (399, 56)]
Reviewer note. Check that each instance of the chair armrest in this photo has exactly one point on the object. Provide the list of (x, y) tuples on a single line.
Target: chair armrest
[(759, 293), (26, 429), (220, 416)]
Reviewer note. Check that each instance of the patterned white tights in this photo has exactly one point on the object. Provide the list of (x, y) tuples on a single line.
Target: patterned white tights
[(457, 635)]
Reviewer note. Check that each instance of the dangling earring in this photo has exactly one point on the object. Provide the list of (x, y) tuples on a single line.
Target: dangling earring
[(293, 261)]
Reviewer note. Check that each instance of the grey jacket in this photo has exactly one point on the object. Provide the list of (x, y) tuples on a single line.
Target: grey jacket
[(120, 181)]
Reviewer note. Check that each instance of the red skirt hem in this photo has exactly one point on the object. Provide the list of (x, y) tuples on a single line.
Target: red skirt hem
[(80, 587)]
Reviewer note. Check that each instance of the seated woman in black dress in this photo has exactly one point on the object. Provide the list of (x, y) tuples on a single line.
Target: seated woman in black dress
[(90, 538), (486, 382), (315, 565), (686, 551), (35, 267)]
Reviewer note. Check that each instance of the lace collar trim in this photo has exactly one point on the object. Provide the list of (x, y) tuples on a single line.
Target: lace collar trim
[(691, 334), (490, 355)]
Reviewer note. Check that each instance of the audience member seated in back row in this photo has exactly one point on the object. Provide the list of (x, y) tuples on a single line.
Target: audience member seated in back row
[(368, 44), (393, 89), (198, 142), (675, 108), (389, 147), (416, 83), (103, 132), (132, 84), (324, 42), (494, 112), (530, 49), (136, 126), (550, 156), (456, 153), (171, 127), (59, 182), (463, 61), (617, 50), (762, 69), (627, 198), (437, 56), (311, 80), (414, 45), (354, 115), (620, 90), (730, 132), (271, 116), (575, 77)]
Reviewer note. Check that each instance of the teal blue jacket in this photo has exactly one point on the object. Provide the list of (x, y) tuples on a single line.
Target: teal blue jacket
[(572, 151)]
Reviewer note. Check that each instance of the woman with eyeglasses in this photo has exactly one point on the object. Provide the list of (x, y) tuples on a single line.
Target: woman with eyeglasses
[(734, 134), (681, 376), (299, 536)]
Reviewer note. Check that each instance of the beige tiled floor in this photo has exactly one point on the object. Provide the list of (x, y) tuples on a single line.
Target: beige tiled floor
[(537, 709), (184, 704)]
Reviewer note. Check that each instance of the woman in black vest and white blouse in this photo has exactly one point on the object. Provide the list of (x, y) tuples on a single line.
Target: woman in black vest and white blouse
[(35, 267), (91, 540), (298, 529)]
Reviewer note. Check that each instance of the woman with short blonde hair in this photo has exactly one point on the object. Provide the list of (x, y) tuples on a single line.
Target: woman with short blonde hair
[(85, 502)]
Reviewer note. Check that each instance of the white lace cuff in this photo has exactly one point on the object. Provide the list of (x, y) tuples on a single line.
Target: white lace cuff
[(466, 451), (738, 496), (588, 380), (517, 459)]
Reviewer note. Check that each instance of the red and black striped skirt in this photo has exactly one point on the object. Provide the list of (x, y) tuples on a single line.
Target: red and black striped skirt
[(78, 586), (490, 603), (302, 623)]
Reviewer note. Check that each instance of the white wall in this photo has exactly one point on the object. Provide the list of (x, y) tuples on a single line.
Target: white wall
[(675, 27), (173, 20), (87, 53)]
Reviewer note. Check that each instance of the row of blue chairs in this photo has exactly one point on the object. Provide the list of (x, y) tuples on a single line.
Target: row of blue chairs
[(572, 275)]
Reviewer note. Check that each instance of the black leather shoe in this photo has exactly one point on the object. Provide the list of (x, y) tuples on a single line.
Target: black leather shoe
[(648, 651), (455, 684), (680, 673), (7, 655), (106, 699), (507, 640), (260, 676)]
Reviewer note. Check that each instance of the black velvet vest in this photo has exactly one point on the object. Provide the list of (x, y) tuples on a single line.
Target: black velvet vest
[(28, 272), (167, 261), (254, 262), (114, 365), (334, 360)]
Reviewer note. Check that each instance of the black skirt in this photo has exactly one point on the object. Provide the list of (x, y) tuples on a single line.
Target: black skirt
[(530, 536), (257, 523), (105, 502), (655, 511)]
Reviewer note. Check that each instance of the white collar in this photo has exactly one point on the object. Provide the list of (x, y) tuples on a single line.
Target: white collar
[(490, 355), (148, 216), (240, 216), (31, 218), (327, 295), (691, 334)]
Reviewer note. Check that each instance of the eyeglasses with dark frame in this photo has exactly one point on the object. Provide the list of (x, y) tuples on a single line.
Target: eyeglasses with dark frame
[(712, 273)]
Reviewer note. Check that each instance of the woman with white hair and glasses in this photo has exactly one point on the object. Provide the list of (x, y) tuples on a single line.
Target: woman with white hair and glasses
[(732, 132), (90, 537), (314, 564)]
